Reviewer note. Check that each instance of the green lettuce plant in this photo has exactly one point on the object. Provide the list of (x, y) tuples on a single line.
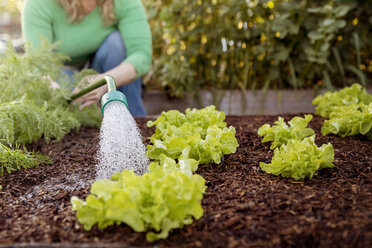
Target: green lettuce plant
[(156, 202), (350, 120), (201, 135), (349, 110), (280, 133), (299, 159), (354, 94), (169, 195)]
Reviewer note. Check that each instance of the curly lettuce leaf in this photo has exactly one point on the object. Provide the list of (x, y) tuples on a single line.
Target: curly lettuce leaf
[(352, 95), (198, 120), (350, 120), (299, 159), (204, 118), (201, 135), (280, 133), (156, 202)]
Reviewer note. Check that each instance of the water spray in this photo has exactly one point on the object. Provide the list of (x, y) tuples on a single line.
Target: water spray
[(120, 147)]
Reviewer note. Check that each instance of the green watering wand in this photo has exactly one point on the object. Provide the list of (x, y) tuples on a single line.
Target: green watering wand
[(111, 96)]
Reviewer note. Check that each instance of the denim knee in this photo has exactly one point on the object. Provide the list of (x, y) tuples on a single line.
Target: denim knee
[(110, 54)]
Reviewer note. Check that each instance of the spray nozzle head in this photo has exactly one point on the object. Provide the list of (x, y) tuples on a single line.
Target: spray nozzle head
[(112, 94)]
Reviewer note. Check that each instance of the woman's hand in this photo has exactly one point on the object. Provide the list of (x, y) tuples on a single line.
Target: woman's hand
[(123, 74), (92, 97)]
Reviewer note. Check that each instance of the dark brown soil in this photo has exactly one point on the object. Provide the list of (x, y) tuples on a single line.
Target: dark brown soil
[(244, 207)]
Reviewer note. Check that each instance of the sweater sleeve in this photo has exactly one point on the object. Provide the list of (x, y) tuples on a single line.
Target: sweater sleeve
[(135, 30), (36, 21)]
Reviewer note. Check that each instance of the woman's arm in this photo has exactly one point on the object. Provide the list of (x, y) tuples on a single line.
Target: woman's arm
[(135, 30), (37, 21)]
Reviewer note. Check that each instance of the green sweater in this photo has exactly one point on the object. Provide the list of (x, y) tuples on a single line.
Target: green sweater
[(79, 40)]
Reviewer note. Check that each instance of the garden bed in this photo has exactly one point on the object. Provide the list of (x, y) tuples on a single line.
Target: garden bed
[(244, 207)]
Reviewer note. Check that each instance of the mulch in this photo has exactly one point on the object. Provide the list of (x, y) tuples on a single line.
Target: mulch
[(243, 206)]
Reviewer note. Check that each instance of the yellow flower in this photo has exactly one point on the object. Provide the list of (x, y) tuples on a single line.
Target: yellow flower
[(259, 20), (191, 27), (183, 45), (261, 57), (263, 37), (355, 21), (240, 25), (171, 50), (270, 4), (192, 60), (204, 39)]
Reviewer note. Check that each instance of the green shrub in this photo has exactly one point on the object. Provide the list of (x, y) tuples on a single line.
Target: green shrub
[(279, 43)]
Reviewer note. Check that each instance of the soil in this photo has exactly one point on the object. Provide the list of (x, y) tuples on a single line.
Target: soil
[(244, 206)]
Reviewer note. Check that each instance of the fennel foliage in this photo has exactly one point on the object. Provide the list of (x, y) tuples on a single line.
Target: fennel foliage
[(30, 109)]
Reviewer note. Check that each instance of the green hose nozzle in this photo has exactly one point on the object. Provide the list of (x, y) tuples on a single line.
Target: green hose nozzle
[(111, 96)]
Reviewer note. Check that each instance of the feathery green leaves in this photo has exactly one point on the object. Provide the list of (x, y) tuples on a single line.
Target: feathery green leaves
[(14, 159), (30, 109)]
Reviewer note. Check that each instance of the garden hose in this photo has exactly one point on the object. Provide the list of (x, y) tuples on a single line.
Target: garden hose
[(111, 96)]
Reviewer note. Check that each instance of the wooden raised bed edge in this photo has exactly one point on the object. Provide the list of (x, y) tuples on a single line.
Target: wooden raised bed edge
[(232, 102)]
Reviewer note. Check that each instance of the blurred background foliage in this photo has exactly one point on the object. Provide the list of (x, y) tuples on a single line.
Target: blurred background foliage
[(259, 44), (254, 44), (11, 7)]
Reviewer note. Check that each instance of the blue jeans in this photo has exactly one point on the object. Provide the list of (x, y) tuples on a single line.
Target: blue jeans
[(110, 54)]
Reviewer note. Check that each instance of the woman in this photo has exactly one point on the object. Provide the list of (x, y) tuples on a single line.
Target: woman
[(115, 33)]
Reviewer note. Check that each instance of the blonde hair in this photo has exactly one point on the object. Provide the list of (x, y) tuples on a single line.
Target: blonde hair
[(75, 10)]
